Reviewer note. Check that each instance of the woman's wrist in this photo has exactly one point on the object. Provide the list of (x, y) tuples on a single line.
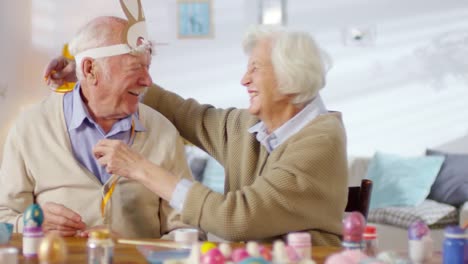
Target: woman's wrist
[(157, 179)]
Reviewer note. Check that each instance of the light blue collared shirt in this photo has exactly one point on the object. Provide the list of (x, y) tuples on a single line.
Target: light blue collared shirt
[(271, 141), (85, 133)]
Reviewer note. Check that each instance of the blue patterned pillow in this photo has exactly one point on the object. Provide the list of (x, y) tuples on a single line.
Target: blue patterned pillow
[(401, 181)]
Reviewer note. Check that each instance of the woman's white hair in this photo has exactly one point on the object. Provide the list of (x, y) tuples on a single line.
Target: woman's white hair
[(299, 64), (99, 32)]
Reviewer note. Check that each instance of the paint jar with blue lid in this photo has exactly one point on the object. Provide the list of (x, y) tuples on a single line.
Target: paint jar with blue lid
[(454, 245)]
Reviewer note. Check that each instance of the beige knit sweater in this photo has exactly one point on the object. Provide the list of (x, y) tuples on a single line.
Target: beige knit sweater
[(38, 165), (301, 185)]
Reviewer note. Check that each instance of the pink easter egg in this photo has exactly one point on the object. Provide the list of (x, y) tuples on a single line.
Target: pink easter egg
[(213, 256), (417, 230), (239, 254), (265, 253), (354, 255), (354, 225), (337, 258), (292, 254)]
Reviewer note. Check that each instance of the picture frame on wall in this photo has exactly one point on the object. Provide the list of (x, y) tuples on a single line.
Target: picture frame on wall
[(194, 19)]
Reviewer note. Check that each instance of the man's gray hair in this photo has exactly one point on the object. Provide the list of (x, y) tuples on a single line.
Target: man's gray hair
[(99, 32), (299, 64)]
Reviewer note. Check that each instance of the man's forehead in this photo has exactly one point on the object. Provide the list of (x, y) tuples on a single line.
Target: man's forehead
[(139, 57)]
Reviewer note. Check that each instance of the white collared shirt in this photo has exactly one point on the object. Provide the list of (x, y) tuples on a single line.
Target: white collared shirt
[(271, 141)]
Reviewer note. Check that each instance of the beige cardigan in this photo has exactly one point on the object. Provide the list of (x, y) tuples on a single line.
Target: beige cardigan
[(301, 185), (38, 165)]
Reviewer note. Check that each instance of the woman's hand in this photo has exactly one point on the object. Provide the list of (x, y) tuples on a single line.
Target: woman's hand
[(119, 159), (60, 70)]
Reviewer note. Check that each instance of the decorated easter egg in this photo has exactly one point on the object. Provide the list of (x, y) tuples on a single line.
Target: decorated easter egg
[(265, 253), (33, 216), (354, 225), (226, 249), (52, 249), (346, 257), (239, 254), (337, 258), (254, 260), (207, 246), (253, 249), (213, 256), (292, 254), (417, 230)]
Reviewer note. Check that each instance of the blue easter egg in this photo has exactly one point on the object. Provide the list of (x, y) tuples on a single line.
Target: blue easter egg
[(33, 216), (254, 260)]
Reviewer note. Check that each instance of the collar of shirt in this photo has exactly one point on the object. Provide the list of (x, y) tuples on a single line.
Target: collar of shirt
[(80, 114), (271, 141)]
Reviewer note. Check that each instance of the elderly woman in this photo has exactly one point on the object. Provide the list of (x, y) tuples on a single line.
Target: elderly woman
[(284, 158)]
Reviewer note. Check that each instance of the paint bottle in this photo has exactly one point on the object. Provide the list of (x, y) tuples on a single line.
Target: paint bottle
[(454, 245), (370, 241), (301, 242), (354, 225)]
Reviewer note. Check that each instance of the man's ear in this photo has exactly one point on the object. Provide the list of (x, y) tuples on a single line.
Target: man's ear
[(89, 70)]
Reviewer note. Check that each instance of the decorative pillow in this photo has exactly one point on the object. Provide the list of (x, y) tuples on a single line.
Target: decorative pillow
[(451, 185), (401, 181), (432, 213), (213, 176)]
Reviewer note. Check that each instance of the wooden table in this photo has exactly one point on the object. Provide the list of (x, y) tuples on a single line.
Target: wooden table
[(128, 253)]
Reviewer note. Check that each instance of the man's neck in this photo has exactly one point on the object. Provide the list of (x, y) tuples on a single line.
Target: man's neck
[(104, 122)]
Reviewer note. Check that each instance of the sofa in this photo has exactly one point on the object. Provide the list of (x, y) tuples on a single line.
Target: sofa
[(392, 222)]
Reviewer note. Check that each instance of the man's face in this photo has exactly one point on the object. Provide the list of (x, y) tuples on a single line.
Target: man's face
[(121, 80), (261, 83)]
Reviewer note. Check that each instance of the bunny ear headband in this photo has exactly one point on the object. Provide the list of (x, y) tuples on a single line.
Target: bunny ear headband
[(136, 37)]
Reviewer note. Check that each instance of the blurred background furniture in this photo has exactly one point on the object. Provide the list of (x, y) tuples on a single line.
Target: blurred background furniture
[(359, 197), (392, 222)]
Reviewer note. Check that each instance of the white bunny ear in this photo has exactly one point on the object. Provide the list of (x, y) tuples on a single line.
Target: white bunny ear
[(133, 10), (135, 38), (136, 32)]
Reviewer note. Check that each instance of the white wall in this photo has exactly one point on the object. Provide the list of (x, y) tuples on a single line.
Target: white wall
[(403, 94)]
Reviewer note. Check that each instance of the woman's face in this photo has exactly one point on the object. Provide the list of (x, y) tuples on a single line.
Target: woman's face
[(261, 83)]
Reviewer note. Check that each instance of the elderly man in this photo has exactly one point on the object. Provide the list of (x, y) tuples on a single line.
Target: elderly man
[(48, 153), (285, 157)]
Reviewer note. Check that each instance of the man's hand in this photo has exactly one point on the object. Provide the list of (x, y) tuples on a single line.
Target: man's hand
[(86, 232), (60, 70), (60, 219)]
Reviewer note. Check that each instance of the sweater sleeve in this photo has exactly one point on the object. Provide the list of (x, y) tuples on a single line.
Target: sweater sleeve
[(202, 125), (16, 184)]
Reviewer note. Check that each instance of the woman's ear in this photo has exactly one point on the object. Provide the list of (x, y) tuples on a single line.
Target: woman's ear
[(89, 70)]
